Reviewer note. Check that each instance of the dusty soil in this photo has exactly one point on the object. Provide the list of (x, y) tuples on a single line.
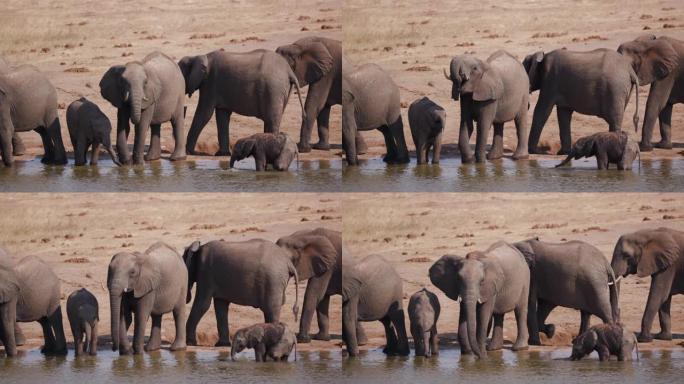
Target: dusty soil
[(414, 44), (77, 234), (414, 230), (74, 42)]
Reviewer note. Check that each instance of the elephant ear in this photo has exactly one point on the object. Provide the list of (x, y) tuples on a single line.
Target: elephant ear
[(111, 87), (152, 89), (532, 65), (245, 147), (585, 147), (444, 275), (492, 278), (658, 60), (488, 87), (254, 336), (149, 277), (9, 285), (351, 282), (195, 70), (660, 252), (317, 61), (317, 256), (588, 340)]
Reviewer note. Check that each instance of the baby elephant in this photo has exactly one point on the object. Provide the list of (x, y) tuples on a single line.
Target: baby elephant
[(274, 340), (608, 147), (82, 310), (89, 126), (606, 339), (423, 311), (427, 121), (276, 149)]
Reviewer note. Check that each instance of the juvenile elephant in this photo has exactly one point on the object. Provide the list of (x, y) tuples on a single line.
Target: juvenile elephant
[(89, 126), (276, 149), (317, 62), (28, 101), (423, 311), (317, 256), (253, 272), (490, 283), (148, 284), (606, 340), (83, 314), (255, 83), (573, 274), (274, 340), (659, 62), (9, 295), (608, 147), (372, 290), (658, 253), (148, 93), (18, 148), (596, 83), (370, 100), (427, 121)]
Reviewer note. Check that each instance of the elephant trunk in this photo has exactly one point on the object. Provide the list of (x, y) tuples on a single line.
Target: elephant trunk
[(115, 307), (234, 347), (471, 324), (136, 105)]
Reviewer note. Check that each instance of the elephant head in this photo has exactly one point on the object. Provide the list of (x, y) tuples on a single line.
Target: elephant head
[(470, 75), (309, 59), (130, 85), (583, 344), (242, 149), (444, 275), (129, 273), (533, 65), (195, 69), (312, 255), (190, 257), (652, 59), (9, 293), (243, 339), (644, 252)]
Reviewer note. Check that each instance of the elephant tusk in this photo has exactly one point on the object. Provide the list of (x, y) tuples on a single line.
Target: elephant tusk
[(448, 77), (126, 290), (616, 280), (145, 99), (126, 96), (479, 301), (458, 299)]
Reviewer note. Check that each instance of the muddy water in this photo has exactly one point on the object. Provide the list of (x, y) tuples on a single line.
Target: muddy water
[(506, 175), (508, 367), (166, 367), (166, 176)]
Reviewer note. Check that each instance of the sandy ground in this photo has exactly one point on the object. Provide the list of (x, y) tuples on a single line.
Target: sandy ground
[(77, 234), (415, 43), (74, 42), (414, 230)]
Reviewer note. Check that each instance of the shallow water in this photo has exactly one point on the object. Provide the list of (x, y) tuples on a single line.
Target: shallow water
[(166, 176), (167, 367), (506, 175)]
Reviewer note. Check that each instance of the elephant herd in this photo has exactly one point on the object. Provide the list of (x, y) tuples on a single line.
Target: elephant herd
[(152, 91), (530, 278), (149, 284), (496, 91)]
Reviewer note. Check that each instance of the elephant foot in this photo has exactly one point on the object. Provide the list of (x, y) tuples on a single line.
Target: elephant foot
[(222, 343), (663, 335), (563, 152), (494, 346), (645, 147), (191, 341), (321, 336), (534, 342), (92, 353), (494, 155), (45, 160), (520, 346), (149, 157), (664, 144), (521, 156), (322, 146), (178, 346), (536, 151), (303, 338), (467, 159), (404, 351), (303, 147), (179, 157), (19, 341), (151, 347), (222, 152), (18, 150), (125, 352), (644, 337), (549, 330), (388, 159), (403, 160)]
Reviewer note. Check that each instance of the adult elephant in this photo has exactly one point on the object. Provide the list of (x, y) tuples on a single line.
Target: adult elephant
[(253, 272), (370, 100), (148, 93), (371, 291), (572, 274), (490, 283), (659, 62), (9, 295), (658, 253), (18, 147), (317, 62), (317, 256), (255, 83), (596, 83), (148, 284), (491, 92), (28, 101)]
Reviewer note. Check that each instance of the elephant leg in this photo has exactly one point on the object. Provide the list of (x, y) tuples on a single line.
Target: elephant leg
[(142, 313), (78, 337), (221, 311), (585, 318), (484, 315), (154, 151), (389, 145), (361, 337), (350, 326), (47, 145), (124, 324), (49, 338), (485, 119), (390, 336), (178, 129), (92, 348), (602, 160), (564, 118), (544, 308), (94, 153), (434, 340), (521, 151), (658, 96), (426, 343), (496, 151), (58, 331), (418, 340), (6, 145), (260, 352), (466, 129), (7, 327), (140, 136), (272, 312), (361, 146), (496, 342), (260, 162), (200, 306), (19, 335), (223, 131), (323, 319), (532, 323), (665, 323), (665, 120), (323, 122), (154, 342), (520, 312), (86, 338), (18, 147), (603, 352), (437, 149), (421, 151), (463, 341), (54, 130), (399, 324), (397, 131), (203, 113), (123, 128), (179, 319), (80, 152), (313, 296), (542, 111)]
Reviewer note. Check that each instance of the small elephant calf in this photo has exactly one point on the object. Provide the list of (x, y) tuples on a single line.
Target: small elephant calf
[(608, 147), (276, 149), (423, 311), (274, 340), (82, 311), (427, 121), (606, 339), (89, 126)]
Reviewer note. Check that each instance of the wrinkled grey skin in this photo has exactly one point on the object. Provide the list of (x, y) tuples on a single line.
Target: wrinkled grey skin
[(371, 291), (489, 283), (255, 83), (276, 149), (9, 295), (18, 148), (269, 340), (427, 121), (659, 62), (658, 253), (370, 100), (490, 92), (423, 312), (148, 93), (89, 127), (39, 300), (573, 274), (596, 83), (606, 340), (253, 273), (608, 147), (148, 284), (317, 62), (83, 314), (28, 101), (317, 256)]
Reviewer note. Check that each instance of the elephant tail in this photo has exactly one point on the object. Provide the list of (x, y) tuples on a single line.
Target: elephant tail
[(293, 272), (636, 345), (114, 157), (613, 288), (295, 349), (635, 83), (293, 81)]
